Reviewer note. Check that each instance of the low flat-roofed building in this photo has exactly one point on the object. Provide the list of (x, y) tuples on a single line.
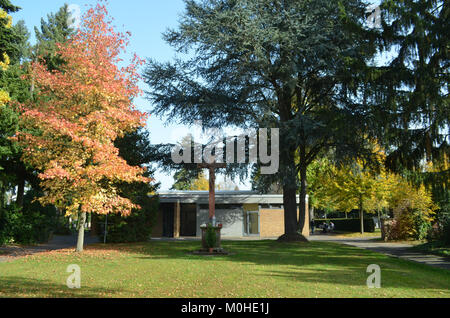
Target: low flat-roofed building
[(241, 213)]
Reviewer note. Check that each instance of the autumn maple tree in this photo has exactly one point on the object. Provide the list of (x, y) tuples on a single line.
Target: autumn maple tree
[(77, 113)]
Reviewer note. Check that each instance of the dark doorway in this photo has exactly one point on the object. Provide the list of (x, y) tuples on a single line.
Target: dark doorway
[(168, 217), (188, 220)]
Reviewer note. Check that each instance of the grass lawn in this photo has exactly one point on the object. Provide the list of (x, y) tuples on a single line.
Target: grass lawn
[(437, 248), (376, 234), (254, 269)]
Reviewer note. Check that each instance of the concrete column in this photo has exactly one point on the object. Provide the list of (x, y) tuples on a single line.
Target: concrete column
[(305, 231), (176, 220)]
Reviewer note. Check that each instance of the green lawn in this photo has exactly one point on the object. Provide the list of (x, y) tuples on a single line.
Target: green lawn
[(376, 234), (437, 248), (255, 269)]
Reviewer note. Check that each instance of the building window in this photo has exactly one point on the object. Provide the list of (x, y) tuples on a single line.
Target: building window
[(271, 206), (251, 223)]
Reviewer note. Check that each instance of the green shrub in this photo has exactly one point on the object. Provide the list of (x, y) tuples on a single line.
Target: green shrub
[(136, 227), (42, 218), (32, 224), (8, 220), (211, 236), (422, 226), (348, 225)]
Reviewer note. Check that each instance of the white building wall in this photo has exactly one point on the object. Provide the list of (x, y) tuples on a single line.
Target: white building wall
[(231, 219)]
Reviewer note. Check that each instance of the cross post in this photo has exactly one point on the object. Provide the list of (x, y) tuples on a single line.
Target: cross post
[(212, 184)]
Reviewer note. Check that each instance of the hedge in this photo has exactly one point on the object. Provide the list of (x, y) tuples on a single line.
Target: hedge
[(32, 225), (348, 225), (135, 228)]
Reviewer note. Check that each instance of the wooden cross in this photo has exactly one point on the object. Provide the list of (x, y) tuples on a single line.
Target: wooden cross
[(212, 184)]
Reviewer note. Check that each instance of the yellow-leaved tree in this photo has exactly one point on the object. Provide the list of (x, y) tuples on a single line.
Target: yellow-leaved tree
[(201, 183), (372, 190), (413, 209), (358, 185)]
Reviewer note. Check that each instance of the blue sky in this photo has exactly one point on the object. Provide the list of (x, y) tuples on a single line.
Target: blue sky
[(146, 20)]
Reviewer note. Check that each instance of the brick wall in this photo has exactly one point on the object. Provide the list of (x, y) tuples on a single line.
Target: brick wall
[(272, 222)]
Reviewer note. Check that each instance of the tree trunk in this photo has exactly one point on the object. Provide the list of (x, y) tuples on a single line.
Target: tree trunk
[(20, 191), (288, 173), (290, 200), (81, 222), (379, 218), (94, 224), (302, 208), (32, 82), (290, 207), (3, 195), (361, 215), (290, 210)]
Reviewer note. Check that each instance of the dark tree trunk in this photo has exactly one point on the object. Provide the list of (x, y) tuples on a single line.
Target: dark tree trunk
[(290, 210), (302, 208), (379, 218), (94, 225), (288, 174), (290, 201), (3, 195), (20, 191)]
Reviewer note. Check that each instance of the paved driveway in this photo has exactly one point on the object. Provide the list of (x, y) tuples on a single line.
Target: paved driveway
[(56, 243), (400, 250)]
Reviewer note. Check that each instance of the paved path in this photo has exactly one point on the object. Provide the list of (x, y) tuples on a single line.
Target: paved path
[(56, 243), (400, 250)]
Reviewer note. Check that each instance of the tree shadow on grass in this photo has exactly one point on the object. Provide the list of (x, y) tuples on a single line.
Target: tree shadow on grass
[(18, 287), (356, 277), (260, 253), (319, 262)]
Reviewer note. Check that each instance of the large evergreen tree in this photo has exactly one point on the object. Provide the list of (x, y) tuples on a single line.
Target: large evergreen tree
[(15, 42), (135, 148), (295, 65), (13, 51), (413, 86), (412, 91), (56, 29), (52, 31), (8, 37), (8, 6)]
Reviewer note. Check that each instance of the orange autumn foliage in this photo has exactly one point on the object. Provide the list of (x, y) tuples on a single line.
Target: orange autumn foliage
[(77, 114)]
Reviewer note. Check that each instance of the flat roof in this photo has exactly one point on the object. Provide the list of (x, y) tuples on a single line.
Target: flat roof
[(222, 197)]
